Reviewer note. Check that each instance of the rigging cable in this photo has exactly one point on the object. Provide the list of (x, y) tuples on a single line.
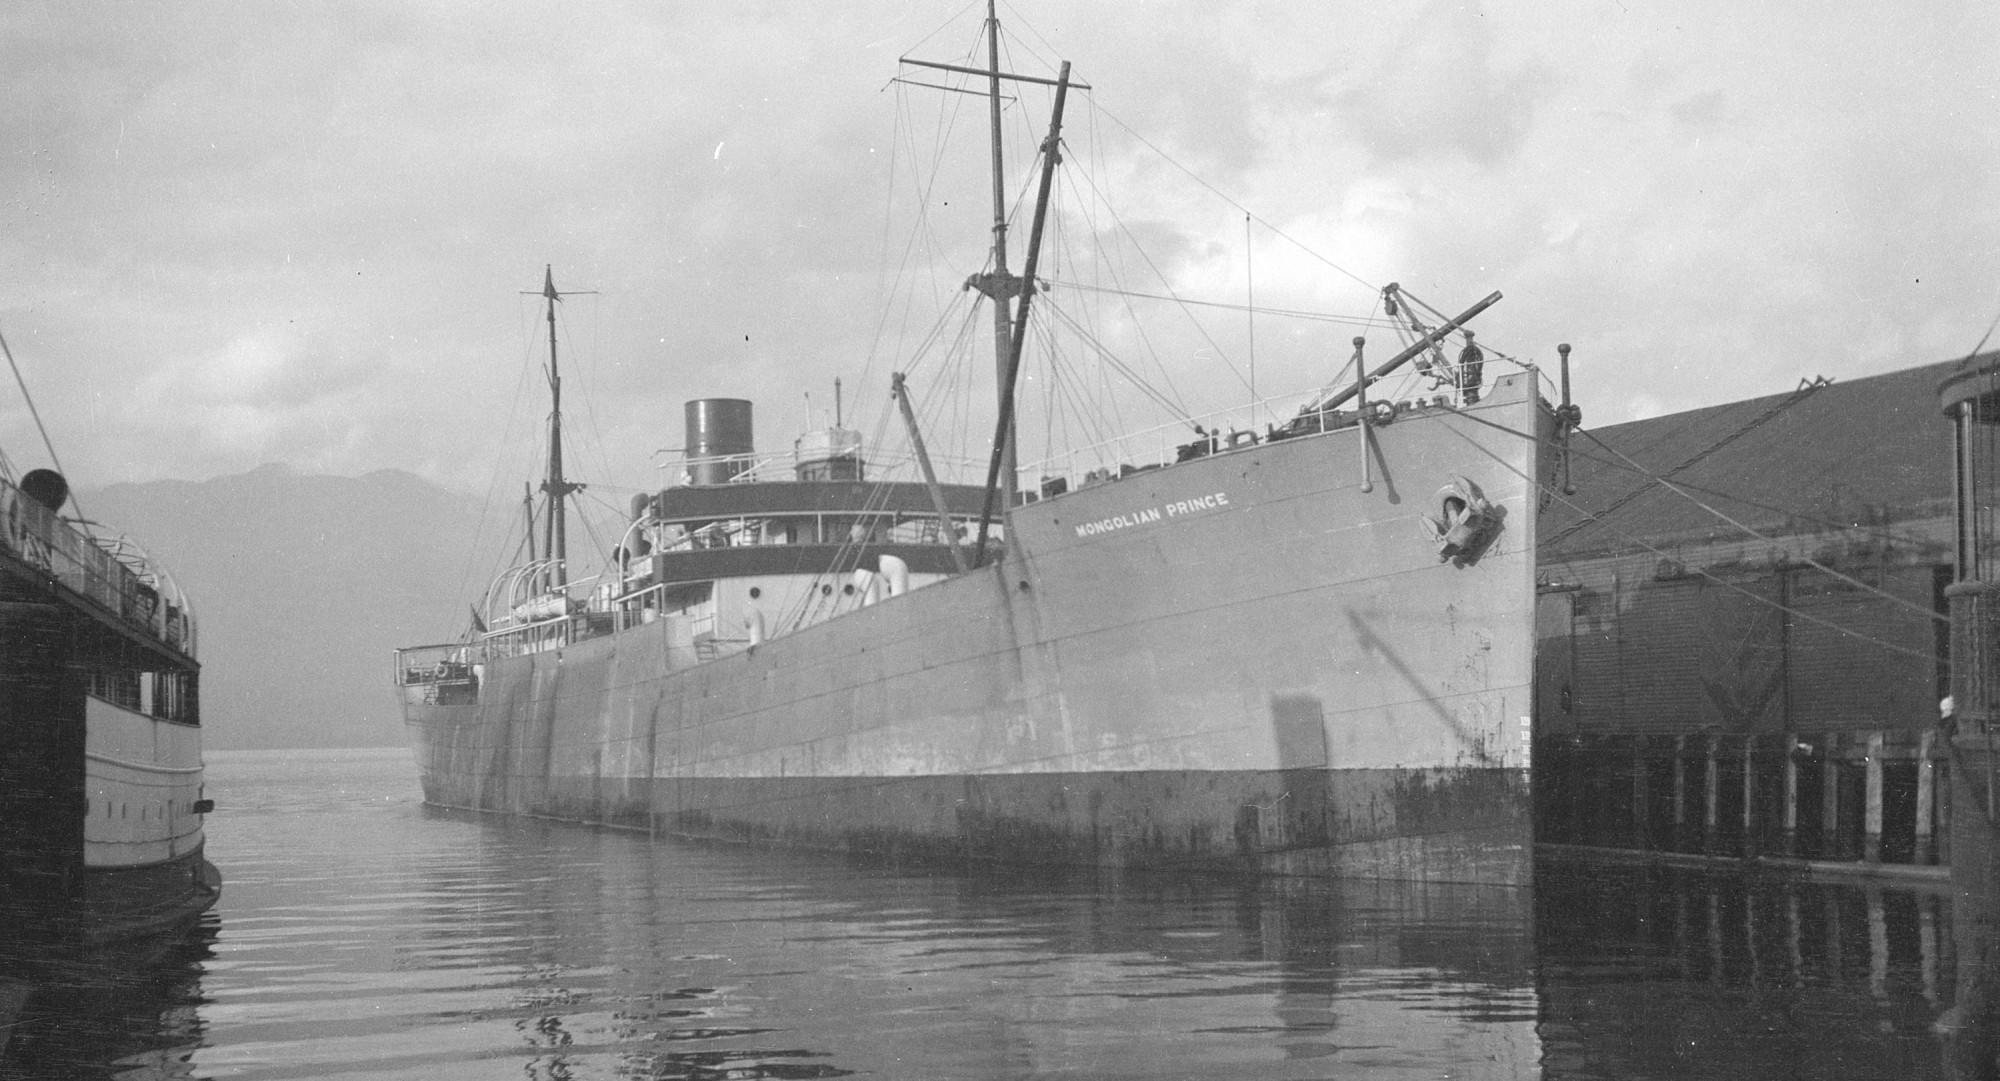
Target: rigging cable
[(1879, 532), (1233, 203), (1795, 397), (1603, 517), (1220, 353), (1553, 492), (1104, 352), (1366, 322), (1670, 486), (47, 444)]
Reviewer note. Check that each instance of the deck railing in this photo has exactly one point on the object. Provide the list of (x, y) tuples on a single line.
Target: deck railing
[(107, 568), (1242, 425)]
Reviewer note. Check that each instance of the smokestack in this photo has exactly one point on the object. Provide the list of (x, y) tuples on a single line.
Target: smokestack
[(719, 440)]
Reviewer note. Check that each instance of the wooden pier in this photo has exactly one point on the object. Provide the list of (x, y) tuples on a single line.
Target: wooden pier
[(1856, 802)]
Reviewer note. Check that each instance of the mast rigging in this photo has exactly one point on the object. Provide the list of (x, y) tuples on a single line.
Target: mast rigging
[(997, 284), (555, 485), (1003, 433)]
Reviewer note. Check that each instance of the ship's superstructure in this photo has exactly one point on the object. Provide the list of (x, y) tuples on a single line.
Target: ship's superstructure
[(102, 803)]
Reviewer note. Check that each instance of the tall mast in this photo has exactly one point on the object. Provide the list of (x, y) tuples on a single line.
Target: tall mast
[(997, 284), (1001, 287), (1003, 431), (555, 486)]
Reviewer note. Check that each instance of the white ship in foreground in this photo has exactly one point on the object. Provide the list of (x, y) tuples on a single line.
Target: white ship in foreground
[(101, 794), (1302, 650)]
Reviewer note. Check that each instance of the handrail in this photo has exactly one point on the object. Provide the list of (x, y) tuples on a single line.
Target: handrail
[(1158, 445), (760, 467), (109, 569)]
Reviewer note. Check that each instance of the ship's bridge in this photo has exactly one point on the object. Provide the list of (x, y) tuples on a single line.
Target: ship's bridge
[(798, 527)]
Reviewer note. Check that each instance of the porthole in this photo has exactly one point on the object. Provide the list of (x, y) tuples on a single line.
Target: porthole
[(826, 591), (848, 589), (755, 593)]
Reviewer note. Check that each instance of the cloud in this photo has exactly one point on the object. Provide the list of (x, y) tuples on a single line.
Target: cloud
[(1438, 90), (244, 232)]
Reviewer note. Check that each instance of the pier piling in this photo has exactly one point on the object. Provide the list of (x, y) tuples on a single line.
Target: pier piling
[(1876, 801)]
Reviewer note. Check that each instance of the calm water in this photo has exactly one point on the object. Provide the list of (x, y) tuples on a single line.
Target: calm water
[(362, 935)]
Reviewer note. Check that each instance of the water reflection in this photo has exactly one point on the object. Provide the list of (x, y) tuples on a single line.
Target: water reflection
[(125, 1010), (791, 965), (1672, 973), (365, 936)]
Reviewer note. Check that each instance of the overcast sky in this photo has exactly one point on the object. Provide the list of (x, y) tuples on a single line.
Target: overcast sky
[(240, 234)]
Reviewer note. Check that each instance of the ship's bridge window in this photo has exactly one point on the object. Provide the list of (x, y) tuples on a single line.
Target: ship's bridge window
[(856, 529), (921, 529), (680, 598), (792, 529)]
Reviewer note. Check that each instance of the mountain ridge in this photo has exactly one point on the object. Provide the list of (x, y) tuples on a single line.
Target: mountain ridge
[(303, 585)]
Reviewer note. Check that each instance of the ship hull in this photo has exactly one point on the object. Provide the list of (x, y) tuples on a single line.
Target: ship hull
[(101, 835), (1445, 825), (1254, 662)]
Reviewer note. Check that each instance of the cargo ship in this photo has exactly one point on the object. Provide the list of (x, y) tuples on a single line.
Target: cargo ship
[(101, 795), (1301, 650)]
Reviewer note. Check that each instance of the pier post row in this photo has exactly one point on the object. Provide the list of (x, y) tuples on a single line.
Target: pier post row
[(1751, 616)]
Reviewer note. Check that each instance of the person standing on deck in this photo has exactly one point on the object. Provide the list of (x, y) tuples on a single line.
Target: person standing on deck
[(1471, 369)]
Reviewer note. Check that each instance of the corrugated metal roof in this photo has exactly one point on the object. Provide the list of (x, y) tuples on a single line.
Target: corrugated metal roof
[(1851, 454)]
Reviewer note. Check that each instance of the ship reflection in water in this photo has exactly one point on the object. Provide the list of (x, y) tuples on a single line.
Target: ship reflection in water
[(366, 936), (124, 1009)]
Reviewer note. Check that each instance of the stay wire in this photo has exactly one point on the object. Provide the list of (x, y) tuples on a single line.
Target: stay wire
[(41, 428), (1842, 527), (1220, 353), (1294, 241), (1603, 518), (1752, 424), (1104, 353), (1850, 580), (1556, 494), (1366, 322)]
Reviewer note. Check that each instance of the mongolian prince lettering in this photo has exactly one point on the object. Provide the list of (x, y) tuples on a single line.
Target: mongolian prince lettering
[(1147, 516)]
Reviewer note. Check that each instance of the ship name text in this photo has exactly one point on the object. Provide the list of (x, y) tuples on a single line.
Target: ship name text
[(1148, 515)]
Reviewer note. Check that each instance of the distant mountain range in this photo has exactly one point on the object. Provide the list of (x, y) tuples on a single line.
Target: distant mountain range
[(303, 586)]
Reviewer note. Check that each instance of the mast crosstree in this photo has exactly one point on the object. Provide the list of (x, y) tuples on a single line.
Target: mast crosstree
[(998, 284)]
